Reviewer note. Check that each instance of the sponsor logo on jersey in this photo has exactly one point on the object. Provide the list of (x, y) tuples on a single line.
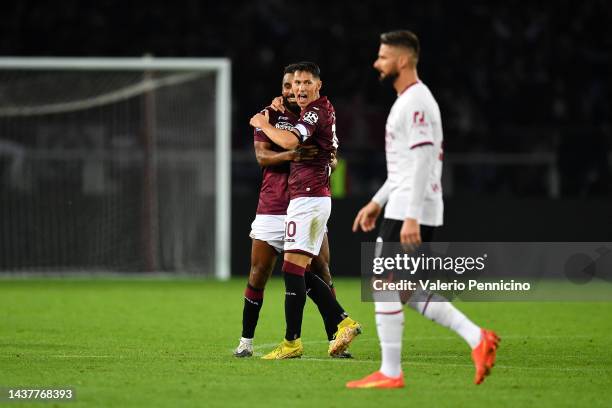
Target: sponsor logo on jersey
[(311, 117), (284, 126)]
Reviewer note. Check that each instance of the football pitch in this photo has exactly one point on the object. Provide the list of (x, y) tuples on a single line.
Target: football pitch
[(168, 343)]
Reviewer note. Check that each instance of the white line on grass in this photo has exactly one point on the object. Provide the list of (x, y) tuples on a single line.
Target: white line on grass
[(429, 338), (81, 356)]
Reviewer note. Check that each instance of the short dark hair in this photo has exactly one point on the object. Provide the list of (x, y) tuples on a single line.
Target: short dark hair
[(402, 38), (289, 69), (304, 66)]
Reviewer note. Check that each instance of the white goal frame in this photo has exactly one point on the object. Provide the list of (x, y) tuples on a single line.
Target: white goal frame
[(222, 118)]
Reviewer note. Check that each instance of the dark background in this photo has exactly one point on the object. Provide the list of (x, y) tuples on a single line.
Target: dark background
[(510, 77)]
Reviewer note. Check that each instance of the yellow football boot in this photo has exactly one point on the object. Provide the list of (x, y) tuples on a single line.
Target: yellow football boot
[(287, 349), (348, 329)]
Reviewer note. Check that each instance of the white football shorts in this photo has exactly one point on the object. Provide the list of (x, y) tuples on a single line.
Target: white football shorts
[(270, 229), (306, 224)]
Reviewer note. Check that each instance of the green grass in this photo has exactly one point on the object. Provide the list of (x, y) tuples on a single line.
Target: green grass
[(126, 343)]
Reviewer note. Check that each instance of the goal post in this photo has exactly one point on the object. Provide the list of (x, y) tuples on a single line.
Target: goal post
[(156, 112)]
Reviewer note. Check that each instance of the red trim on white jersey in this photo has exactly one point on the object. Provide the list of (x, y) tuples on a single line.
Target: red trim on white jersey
[(421, 144), (406, 88), (390, 313)]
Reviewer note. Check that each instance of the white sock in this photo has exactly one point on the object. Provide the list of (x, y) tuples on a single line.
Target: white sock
[(441, 311), (390, 327), (245, 340)]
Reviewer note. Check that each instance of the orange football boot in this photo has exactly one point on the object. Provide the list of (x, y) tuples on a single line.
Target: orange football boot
[(484, 354), (377, 380)]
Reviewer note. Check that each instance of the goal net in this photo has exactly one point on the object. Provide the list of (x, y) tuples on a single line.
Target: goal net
[(119, 165)]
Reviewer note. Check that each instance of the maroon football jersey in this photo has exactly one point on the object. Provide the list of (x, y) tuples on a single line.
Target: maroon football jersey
[(317, 126), (274, 191)]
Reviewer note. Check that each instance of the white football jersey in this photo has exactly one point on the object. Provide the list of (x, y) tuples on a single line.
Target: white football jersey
[(413, 146)]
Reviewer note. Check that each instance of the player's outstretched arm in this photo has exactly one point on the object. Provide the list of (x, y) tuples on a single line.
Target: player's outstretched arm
[(366, 217), (423, 159), (284, 138)]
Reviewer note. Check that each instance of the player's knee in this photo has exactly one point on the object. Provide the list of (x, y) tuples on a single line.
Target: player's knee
[(258, 276), (297, 259)]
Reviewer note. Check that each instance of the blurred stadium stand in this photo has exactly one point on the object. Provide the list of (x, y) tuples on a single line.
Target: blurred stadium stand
[(510, 77)]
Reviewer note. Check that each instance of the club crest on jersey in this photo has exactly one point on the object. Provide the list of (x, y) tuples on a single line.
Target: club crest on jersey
[(311, 117)]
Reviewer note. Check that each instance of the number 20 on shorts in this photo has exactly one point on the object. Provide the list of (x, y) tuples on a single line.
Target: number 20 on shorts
[(290, 229)]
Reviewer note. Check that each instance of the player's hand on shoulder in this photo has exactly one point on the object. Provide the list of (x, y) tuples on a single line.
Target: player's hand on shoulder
[(258, 120), (303, 152), (278, 104), (366, 217)]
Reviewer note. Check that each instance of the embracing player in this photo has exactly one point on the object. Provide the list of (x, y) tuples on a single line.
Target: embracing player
[(268, 228), (413, 197), (309, 206)]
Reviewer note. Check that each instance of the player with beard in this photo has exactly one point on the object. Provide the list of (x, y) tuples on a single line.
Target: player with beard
[(413, 197), (309, 206), (268, 228)]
